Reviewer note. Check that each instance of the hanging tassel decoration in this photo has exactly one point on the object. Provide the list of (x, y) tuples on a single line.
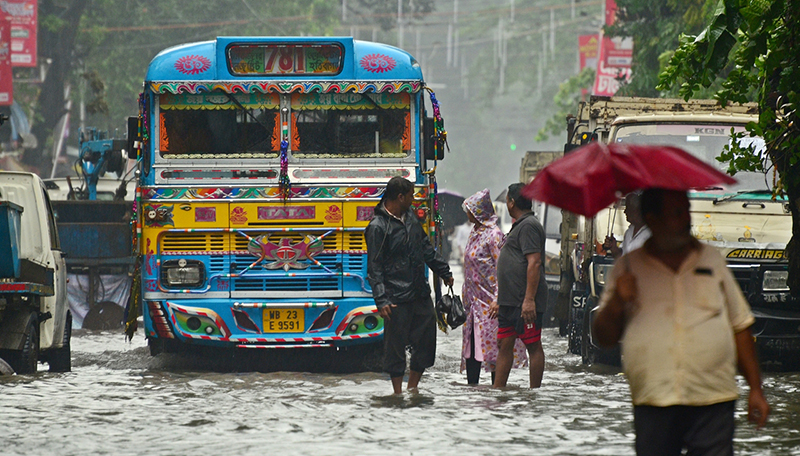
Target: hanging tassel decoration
[(284, 184)]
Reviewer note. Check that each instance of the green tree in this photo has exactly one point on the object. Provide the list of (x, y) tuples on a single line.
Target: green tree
[(568, 96), (100, 49), (58, 31), (761, 38), (655, 26)]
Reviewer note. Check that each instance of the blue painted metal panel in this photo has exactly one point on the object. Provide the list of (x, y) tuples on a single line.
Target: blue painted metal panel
[(206, 61), (187, 62)]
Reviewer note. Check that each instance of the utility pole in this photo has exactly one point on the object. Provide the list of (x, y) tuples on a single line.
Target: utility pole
[(465, 78), (400, 24), (542, 60), (552, 34), (455, 49), (502, 48), (417, 52), (450, 44)]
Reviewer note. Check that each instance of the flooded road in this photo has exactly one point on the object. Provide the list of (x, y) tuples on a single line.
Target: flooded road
[(118, 400)]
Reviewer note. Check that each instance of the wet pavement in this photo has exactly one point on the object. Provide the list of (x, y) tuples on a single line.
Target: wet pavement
[(119, 400)]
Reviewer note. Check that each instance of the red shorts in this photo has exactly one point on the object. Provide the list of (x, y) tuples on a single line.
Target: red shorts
[(511, 324)]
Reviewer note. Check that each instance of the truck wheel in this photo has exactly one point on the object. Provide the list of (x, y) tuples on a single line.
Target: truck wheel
[(574, 325), (591, 354), (5, 369), (26, 361), (60, 359), (588, 355), (105, 315)]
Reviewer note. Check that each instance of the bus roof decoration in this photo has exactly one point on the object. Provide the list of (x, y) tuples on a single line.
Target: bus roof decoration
[(320, 66)]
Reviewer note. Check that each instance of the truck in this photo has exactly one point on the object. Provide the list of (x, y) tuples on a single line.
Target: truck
[(35, 320), (550, 217), (748, 225), (93, 216)]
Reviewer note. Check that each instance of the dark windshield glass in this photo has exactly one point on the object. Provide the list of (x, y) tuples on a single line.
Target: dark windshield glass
[(212, 125), (351, 125)]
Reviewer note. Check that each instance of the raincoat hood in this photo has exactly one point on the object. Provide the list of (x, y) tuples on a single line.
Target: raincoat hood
[(480, 205)]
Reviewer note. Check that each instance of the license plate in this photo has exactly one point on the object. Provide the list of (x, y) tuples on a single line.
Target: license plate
[(284, 320)]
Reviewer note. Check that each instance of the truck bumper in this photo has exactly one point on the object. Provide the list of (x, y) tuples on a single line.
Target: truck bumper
[(777, 338)]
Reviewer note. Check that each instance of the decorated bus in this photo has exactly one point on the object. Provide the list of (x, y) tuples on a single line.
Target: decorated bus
[(261, 160)]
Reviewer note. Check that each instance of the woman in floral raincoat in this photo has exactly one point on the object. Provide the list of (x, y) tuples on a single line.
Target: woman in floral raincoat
[(480, 290)]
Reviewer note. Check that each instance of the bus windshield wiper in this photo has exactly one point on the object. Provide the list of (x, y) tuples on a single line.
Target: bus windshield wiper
[(250, 114)]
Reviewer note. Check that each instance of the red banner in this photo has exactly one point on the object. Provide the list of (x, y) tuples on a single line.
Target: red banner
[(6, 76), (614, 60), (613, 65), (611, 11), (588, 46), (22, 14)]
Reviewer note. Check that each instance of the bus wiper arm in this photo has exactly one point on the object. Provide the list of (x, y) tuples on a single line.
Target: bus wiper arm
[(247, 111)]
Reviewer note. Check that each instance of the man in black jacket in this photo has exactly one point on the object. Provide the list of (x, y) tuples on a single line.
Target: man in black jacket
[(398, 250)]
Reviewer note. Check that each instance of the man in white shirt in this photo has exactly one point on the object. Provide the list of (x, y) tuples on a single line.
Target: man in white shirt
[(637, 232), (684, 327)]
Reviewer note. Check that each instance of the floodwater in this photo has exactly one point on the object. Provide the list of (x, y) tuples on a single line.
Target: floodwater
[(119, 400)]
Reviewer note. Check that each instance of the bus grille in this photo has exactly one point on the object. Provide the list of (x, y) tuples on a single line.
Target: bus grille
[(182, 242), (316, 279), (354, 240), (332, 241)]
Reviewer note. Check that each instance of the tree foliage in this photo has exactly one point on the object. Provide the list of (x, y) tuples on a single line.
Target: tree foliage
[(384, 12), (655, 26), (761, 38), (568, 96), (100, 49)]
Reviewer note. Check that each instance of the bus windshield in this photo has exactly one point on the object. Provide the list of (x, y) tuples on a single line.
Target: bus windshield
[(704, 141), (219, 125), (349, 125)]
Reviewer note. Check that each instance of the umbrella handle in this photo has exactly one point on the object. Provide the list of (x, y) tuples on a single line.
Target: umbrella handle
[(613, 220)]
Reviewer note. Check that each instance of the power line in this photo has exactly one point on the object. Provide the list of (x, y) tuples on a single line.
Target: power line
[(462, 14)]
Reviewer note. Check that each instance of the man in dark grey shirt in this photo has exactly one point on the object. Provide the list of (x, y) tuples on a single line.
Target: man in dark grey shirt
[(522, 291)]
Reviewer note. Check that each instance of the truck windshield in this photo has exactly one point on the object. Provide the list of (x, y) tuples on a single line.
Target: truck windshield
[(704, 141), (351, 125)]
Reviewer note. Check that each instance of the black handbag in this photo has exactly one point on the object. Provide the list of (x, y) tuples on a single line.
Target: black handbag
[(453, 309)]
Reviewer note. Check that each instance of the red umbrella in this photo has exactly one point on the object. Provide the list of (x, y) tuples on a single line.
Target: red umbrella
[(593, 176)]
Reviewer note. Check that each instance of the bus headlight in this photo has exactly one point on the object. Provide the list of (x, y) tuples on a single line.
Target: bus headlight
[(775, 281), (601, 272), (183, 273)]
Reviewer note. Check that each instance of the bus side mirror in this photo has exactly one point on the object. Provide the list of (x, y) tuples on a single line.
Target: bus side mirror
[(135, 141), (133, 136), (429, 136)]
